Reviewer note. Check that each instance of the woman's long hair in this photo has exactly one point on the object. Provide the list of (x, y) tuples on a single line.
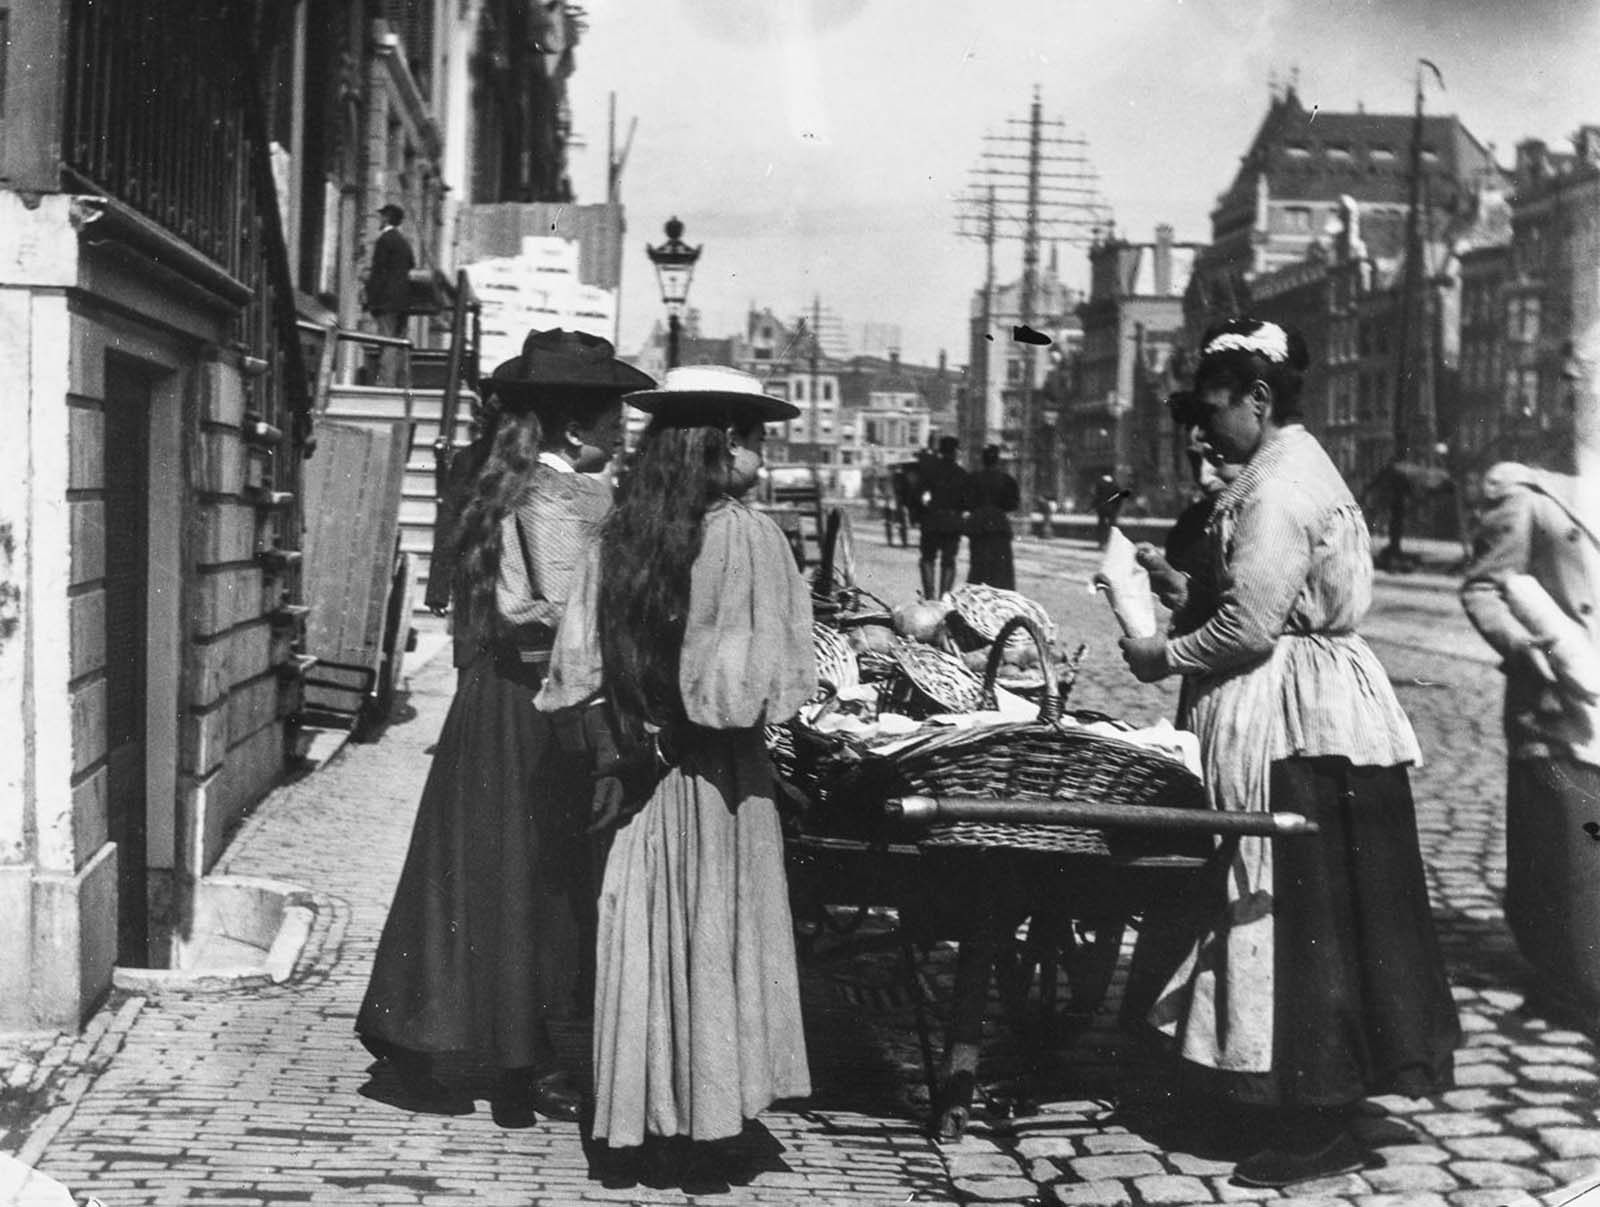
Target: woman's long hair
[(648, 545), (498, 488)]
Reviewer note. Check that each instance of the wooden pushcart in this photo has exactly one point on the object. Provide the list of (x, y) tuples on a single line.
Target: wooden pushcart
[(981, 840)]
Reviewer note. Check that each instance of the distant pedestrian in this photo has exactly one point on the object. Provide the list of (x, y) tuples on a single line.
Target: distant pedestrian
[(1534, 525), (487, 949), (389, 287), (687, 632), (943, 492), (992, 496)]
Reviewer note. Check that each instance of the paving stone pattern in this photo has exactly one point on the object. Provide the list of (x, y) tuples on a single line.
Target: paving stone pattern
[(252, 1096)]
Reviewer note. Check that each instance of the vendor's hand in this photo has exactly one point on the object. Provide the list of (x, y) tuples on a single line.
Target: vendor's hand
[(1171, 586), (1146, 657)]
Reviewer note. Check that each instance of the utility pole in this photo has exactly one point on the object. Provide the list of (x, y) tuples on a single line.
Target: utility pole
[(816, 331), (975, 430), (1033, 182), (1414, 418)]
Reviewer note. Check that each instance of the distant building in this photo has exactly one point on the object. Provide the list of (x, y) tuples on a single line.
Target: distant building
[(1000, 383), (1112, 418), (1490, 404), (1291, 178), (1550, 294), (539, 265)]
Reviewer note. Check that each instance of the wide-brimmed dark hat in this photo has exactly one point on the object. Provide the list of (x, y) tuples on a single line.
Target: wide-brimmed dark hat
[(711, 396), (556, 364)]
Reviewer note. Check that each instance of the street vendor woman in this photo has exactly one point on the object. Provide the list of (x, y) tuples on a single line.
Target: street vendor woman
[(487, 947), (1312, 977), (687, 632)]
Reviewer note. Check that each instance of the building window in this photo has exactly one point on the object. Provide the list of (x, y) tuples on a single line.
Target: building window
[(1338, 152), (1297, 219), (1383, 155), (1522, 392), (1522, 319), (1297, 150)]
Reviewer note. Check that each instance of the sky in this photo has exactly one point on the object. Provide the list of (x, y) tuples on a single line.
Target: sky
[(816, 148)]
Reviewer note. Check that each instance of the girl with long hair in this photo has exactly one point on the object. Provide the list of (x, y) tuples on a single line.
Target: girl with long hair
[(487, 947), (691, 629)]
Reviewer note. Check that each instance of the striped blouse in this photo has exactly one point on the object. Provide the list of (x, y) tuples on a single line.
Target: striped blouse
[(542, 541), (1291, 566)]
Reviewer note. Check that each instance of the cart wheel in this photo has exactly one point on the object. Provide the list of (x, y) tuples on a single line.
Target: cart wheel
[(1027, 972)]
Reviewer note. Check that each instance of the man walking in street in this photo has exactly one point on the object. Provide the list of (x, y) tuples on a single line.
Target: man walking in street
[(389, 287), (943, 493)]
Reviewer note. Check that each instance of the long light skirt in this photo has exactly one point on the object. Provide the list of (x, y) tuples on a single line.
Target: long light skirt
[(697, 1002)]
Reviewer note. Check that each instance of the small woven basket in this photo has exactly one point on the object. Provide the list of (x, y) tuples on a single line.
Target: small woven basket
[(836, 661), (939, 677), (1037, 760), (985, 610)]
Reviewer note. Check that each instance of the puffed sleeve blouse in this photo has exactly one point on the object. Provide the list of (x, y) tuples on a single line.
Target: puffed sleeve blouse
[(747, 658), (1289, 580)]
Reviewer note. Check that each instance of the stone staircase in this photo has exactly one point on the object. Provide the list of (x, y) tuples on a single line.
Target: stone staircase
[(374, 404)]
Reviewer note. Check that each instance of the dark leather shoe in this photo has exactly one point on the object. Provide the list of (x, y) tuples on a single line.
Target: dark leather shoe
[(556, 1101), (1276, 1168)]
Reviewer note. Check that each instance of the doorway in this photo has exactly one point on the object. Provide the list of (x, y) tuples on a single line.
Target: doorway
[(126, 486)]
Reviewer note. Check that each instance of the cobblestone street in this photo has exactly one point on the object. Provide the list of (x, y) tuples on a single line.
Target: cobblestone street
[(252, 1095)]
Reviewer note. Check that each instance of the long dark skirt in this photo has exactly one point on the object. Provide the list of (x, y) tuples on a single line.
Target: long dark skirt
[(1363, 1005), (490, 937), (1553, 880), (989, 555)]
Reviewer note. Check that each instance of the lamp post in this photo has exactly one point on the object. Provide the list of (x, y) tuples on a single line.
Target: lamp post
[(674, 261)]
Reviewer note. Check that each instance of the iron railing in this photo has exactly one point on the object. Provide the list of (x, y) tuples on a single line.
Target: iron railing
[(154, 115)]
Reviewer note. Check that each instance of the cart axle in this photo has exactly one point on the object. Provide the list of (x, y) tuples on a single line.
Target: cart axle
[(927, 810)]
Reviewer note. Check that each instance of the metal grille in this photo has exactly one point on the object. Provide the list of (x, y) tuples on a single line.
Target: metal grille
[(153, 116)]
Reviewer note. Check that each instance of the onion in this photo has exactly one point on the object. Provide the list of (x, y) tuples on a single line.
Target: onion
[(920, 621)]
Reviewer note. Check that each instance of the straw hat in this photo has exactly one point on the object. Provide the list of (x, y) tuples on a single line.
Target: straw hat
[(710, 396)]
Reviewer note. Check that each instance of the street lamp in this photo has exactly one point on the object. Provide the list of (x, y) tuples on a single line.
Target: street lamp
[(674, 261)]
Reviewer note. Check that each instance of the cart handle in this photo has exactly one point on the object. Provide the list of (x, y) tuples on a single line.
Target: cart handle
[(926, 810)]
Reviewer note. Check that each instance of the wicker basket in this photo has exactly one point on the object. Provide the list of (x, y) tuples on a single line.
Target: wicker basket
[(940, 678), (984, 610), (836, 661), (1037, 760)]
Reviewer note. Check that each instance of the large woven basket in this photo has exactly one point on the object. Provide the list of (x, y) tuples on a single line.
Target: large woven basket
[(1037, 760)]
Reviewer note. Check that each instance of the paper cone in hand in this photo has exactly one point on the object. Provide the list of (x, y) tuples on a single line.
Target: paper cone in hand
[(1127, 586)]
